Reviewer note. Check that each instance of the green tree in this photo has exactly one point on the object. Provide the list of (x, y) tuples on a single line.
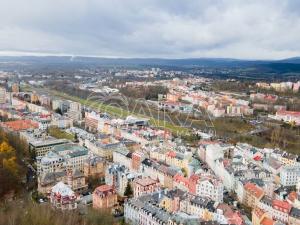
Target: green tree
[(183, 170), (58, 110), (128, 191)]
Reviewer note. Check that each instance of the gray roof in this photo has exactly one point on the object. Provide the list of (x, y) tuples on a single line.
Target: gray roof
[(295, 212)]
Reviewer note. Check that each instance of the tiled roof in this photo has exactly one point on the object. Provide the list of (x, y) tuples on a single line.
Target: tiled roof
[(255, 190), (282, 204), (145, 181), (103, 189), (267, 221), (295, 212), (19, 125)]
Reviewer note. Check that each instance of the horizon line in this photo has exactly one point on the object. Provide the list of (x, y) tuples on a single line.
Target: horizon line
[(47, 54)]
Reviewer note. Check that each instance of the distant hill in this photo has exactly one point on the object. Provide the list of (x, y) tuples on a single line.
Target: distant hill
[(284, 68), (219, 62), (295, 60)]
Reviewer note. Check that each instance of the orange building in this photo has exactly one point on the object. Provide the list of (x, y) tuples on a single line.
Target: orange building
[(173, 97), (136, 160), (253, 194), (104, 196), (260, 217), (145, 185)]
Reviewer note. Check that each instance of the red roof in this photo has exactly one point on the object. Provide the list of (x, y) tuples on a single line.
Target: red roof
[(171, 154), (267, 221), (291, 113), (255, 190), (257, 158), (19, 125), (233, 217), (146, 181), (194, 178), (281, 205), (180, 179), (104, 188)]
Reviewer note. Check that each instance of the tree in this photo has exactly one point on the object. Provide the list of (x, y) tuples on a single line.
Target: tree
[(29, 213), (183, 170), (12, 151), (58, 110), (128, 191), (76, 138)]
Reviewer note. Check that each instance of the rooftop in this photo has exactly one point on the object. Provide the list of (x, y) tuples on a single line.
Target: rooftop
[(255, 190), (19, 125), (145, 181), (62, 189)]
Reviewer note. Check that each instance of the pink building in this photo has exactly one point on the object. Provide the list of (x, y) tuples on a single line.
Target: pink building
[(231, 216), (288, 116), (62, 197), (186, 184), (145, 185), (104, 196)]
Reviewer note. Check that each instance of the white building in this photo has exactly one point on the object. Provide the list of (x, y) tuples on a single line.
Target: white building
[(2, 95), (62, 197), (74, 111), (63, 157), (289, 175), (119, 176), (210, 187)]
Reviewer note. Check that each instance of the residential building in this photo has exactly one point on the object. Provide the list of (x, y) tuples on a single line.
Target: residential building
[(288, 116), (62, 197), (104, 148), (260, 217), (74, 179), (41, 145), (146, 185), (289, 175), (95, 166), (74, 111), (209, 186), (2, 95), (104, 197), (294, 218), (15, 88), (61, 122), (19, 125), (63, 157), (119, 177), (252, 194)]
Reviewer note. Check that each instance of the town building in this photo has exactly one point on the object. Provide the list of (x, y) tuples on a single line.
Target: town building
[(289, 175), (2, 95), (39, 142), (104, 197), (146, 185), (63, 157), (95, 166), (253, 194), (74, 179), (62, 197)]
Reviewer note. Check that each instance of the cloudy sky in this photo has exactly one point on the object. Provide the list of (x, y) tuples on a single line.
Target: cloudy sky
[(251, 29)]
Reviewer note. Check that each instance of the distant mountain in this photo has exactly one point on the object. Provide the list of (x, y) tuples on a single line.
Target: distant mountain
[(190, 62), (286, 67), (295, 60)]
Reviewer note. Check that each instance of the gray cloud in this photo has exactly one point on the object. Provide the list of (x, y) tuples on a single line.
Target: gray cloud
[(152, 28)]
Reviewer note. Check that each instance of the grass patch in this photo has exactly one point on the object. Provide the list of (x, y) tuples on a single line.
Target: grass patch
[(60, 134), (121, 113)]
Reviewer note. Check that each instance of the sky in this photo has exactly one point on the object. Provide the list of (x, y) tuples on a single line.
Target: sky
[(245, 29)]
